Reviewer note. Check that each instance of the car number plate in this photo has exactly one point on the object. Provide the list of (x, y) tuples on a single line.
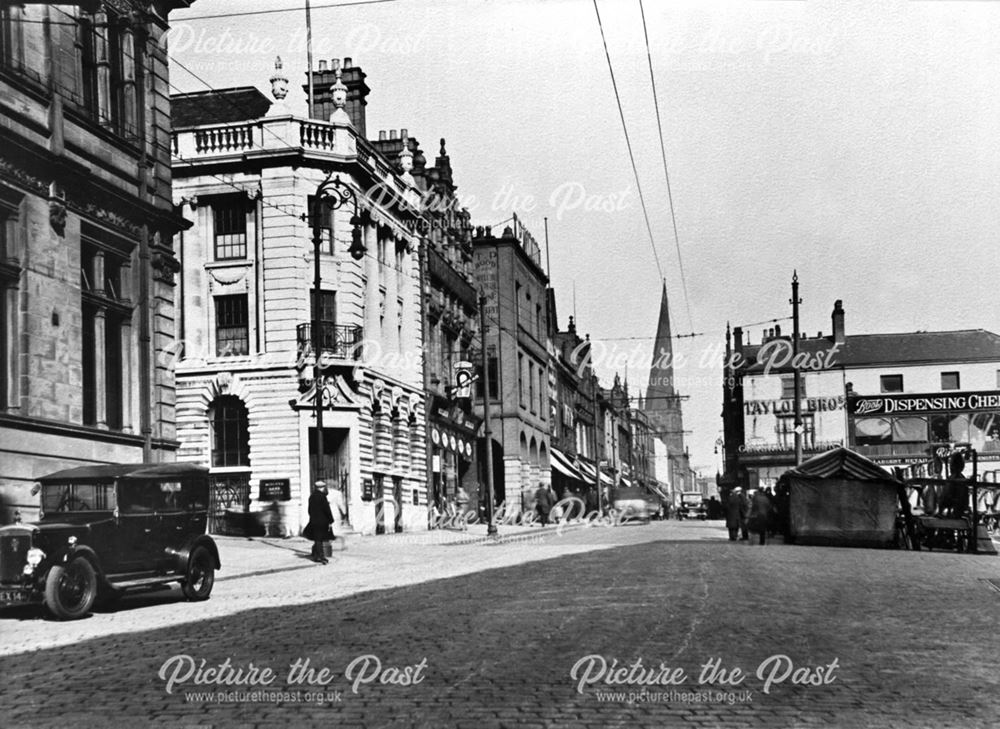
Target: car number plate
[(12, 596)]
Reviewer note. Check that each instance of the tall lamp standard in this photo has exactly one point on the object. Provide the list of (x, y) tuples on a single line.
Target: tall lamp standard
[(333, 193)]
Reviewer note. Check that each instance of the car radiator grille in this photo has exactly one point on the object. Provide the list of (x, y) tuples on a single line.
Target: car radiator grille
[(13, 555)]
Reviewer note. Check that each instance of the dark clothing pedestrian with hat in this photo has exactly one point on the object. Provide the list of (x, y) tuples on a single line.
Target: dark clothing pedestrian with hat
[(736, 513), (760, 514), (320, 522)]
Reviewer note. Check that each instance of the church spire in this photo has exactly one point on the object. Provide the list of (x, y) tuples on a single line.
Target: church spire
[(662, 402)]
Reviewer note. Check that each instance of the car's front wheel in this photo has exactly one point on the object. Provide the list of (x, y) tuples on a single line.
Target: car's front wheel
[(70, 589), (200, 575)]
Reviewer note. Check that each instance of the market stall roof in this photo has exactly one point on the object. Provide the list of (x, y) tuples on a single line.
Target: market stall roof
[(843, 463)]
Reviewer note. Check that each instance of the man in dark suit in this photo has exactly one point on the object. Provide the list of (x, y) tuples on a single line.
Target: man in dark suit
[(320, 520), (736, 513)]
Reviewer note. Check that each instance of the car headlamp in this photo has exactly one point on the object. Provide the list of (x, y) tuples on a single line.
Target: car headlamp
[(35, 556), (71, 541)]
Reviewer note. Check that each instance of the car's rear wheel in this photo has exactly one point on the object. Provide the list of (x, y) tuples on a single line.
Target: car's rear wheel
[(70, 589), (200, 575)]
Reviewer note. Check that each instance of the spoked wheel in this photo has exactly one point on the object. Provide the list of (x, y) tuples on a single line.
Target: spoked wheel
[(70, 589), (200, 575)]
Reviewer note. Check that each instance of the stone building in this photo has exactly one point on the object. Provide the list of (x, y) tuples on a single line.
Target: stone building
[(509, 272), (451, 330), (247, 175), (86, 223), (900, 399)]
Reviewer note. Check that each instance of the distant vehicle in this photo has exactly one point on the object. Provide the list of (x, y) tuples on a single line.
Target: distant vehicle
[(692, 506), (635, 504), (107, 529)]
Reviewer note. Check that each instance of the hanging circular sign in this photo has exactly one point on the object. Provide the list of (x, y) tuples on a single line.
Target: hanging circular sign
[(435, 436), (452, 442)]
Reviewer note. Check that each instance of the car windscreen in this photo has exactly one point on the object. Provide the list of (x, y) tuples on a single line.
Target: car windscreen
[(66, 497)]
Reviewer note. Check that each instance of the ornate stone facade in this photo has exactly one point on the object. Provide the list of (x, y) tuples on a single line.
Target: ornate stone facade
[(87, 219)]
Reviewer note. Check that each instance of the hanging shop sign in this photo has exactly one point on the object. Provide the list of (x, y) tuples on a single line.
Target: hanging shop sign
[(367, 489), (787, 407), (930, 403)]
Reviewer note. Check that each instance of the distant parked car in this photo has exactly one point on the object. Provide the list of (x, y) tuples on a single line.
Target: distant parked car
[(107, 529)]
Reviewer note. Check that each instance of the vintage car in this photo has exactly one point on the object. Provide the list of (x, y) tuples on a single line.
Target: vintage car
[(692, 506), (107, 529)]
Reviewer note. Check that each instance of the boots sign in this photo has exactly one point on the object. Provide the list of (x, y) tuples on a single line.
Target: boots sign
[(889, 404)]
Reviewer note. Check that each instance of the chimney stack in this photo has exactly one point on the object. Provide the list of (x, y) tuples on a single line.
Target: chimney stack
[(777, 330), (838, 322), (738, 339), (357, 92)]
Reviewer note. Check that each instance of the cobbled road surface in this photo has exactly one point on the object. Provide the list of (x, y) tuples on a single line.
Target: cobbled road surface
[(527, 634)]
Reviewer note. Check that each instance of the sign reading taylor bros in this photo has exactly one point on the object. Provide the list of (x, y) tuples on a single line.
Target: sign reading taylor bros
[(933, 403)]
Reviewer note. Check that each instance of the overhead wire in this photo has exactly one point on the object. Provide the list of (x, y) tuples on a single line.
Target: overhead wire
[(666, 172), (270, 11), (628, 142)]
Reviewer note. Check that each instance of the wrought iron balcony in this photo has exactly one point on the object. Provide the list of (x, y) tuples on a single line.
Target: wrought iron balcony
[(342, 341)]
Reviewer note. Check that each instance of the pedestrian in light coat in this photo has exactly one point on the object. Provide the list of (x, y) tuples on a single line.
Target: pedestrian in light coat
[(320, 521), (735, 513)]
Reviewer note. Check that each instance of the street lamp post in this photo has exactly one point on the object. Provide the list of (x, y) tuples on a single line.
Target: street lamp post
[(334, 193)]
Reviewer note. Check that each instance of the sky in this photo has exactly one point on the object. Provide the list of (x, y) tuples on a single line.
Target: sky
[(852, 142)]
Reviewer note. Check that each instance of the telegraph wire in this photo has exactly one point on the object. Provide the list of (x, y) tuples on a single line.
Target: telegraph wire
[(628, 141), (281, 10), (666, 173)]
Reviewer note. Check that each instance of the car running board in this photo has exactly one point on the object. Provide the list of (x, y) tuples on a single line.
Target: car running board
[(144, 581)]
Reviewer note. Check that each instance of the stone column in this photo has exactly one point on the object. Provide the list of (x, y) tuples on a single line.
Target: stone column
[(100, 369), (128, 387), (371, 283), (104, 100)]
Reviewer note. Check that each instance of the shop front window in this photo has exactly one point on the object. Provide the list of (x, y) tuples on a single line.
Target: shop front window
[(950, 428), (872, 431), (909, 430), (984, 432)]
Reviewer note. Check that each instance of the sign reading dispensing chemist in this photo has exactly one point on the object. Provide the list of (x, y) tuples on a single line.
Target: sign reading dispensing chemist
[(932, 403)]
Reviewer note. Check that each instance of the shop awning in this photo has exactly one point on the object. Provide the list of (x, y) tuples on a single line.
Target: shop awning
[(563, 465), (659, 492)]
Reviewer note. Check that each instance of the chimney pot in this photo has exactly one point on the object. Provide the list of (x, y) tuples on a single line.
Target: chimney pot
[(392, 134), (347, 61), (381, 135), (403, 134), (777, 330), (334, 64), (322, 65)]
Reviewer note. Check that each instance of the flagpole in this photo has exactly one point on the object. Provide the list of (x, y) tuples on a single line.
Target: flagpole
[(309, 56)]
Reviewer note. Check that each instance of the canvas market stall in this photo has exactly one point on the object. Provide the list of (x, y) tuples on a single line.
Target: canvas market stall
[(840, 498)]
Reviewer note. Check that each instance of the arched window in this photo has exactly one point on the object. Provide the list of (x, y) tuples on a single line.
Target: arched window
[(230, 432)]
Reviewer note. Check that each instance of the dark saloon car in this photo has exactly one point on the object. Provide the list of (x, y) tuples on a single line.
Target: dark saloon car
[(107, 529)]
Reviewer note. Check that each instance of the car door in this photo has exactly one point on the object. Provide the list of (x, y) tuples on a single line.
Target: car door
[(137, 529), (171, 531)]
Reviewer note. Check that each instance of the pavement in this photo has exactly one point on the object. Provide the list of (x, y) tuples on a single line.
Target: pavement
[(590, 627)]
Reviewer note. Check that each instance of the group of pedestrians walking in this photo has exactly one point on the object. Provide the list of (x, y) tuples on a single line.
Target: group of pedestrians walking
[(746, 514)]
